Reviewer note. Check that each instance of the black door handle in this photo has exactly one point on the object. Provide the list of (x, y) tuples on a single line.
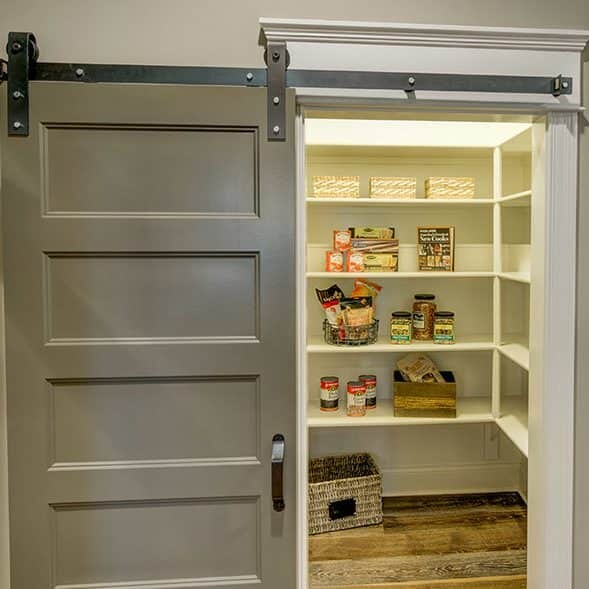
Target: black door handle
[(277, 472)]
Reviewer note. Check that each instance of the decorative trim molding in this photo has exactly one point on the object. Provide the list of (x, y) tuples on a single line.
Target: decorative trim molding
[(371, 33)]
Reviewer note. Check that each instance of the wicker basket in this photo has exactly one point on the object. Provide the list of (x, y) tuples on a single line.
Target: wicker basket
[(391, 187), (447, 187), (344, 492), (336, 186)]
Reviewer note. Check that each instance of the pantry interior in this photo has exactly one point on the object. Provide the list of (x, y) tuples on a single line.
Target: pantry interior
[(497, 280)]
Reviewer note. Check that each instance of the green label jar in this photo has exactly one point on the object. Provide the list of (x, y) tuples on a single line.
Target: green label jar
[(444, 327), (401, 327)]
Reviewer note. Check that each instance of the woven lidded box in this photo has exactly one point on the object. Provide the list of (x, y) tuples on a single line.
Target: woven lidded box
[(344, 492), (449, 187), (336, 186), (393, 187)]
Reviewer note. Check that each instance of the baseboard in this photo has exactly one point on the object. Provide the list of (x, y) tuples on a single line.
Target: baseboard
[(464, 478)]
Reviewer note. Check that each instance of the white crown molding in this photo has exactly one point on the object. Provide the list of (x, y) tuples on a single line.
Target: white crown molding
[(370, 33)]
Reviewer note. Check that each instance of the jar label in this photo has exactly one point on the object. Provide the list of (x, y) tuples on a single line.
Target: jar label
[(418, 320), (400, 331)]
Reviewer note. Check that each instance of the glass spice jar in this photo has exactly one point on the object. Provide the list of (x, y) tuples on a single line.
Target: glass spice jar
[(424, 307), (444, 327), (401, 327)]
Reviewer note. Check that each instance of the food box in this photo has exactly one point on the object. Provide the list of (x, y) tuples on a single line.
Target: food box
[(393, 187), (449, 187), (424, 399), (336, 186)]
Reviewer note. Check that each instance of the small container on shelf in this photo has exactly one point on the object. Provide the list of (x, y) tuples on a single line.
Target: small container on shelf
[(334, 261), (336, 186), (444, 327), (449, 187), (424, 399), (393, 187), (356, 399), (369, 381), (424, 308), (347, 335), (401, 327), (329, 393)]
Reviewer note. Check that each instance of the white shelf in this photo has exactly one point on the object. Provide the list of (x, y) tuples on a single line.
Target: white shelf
[(518, 353), (400, 274), (402, 202), (469, 410), (516, 276), (316, 345), (518, 199), (514, 421)]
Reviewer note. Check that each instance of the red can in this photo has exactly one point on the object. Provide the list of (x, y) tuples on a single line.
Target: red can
[(356, 398), (329, 393), (369, 381)]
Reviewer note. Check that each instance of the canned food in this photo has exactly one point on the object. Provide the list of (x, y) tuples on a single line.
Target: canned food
[(329, 393), (369, 381), (356, 398), (401, 327)]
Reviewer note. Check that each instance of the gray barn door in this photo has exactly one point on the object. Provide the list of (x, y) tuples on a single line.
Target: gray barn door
[(148, 236)]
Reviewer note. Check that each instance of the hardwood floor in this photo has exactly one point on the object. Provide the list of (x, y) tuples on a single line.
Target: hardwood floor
[(433, 542)]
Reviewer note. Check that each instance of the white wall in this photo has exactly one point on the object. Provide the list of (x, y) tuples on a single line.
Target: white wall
[(224, 32)]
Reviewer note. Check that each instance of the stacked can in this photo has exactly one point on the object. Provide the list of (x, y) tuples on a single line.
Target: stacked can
[(329, 393), (356, 398), (369, 381)]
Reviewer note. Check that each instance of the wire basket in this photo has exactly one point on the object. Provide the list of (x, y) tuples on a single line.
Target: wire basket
[(350, 336)]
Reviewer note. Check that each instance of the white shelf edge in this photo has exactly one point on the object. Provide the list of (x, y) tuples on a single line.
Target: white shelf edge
[(517, 353), (398, 202), (513, 422), (316, 345), (523, 277), (514, 196), (469, 410), (400, 274)]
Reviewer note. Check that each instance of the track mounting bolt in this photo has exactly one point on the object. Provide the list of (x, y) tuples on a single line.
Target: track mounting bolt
[(276, 130), (17, 95), (275, 55), (79, 72), (411, 80), (249, 76), (276, 100), (16, 47), (565, 84), (17, 125)]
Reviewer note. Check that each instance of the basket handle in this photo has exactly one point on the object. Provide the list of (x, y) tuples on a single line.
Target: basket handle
[(342, 508)]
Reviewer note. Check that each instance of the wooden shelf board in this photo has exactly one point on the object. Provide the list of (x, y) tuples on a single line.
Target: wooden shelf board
[(400, 274), (516, 276), (469, 410), (514, 421), (316, 345), (518, 353), (404, 202)]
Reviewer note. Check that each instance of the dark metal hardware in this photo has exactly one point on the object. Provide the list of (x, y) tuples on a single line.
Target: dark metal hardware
[(22, 55), (276, 57), (342, 508), (22, 67), (278, 448)]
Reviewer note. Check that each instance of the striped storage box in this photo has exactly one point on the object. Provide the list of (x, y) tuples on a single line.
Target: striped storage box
[(393, 187), (449, 187), (336, 186)]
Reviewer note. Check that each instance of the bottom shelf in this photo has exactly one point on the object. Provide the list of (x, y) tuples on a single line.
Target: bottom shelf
[(469, 410), (514, 421)]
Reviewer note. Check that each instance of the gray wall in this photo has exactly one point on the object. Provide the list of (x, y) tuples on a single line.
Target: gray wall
[(224, 32)]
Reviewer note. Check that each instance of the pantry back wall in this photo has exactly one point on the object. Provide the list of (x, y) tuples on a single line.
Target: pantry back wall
[(188, 32)]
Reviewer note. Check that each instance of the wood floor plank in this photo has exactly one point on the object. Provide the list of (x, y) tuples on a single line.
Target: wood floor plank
[(511, 582), (403, 569)]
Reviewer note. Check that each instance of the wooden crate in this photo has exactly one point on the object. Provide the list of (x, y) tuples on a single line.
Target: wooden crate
[(393, 187), (427, 399), (336, 186), (449, 187)]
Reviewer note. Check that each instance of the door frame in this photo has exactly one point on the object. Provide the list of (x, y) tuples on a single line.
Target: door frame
[(551, 421)]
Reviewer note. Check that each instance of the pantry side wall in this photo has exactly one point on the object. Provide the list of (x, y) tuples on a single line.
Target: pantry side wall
[(185, 32)]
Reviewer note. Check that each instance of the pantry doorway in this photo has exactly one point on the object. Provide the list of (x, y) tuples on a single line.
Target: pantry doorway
[(149, 291)]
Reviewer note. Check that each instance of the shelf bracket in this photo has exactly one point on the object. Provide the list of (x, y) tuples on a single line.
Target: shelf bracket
[(23, 53), (277, 62)]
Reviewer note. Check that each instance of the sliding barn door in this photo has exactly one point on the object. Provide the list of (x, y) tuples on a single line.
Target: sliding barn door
[(148, 236)]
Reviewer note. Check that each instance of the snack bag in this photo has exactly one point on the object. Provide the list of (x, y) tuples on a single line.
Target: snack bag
[(330, 301), (419, 368)]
